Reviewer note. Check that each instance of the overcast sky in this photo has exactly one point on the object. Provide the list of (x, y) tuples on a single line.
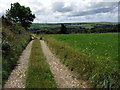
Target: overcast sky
[(56, 11)]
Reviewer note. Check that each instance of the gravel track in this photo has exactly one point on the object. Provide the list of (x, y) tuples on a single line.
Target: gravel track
[(63, 76), (17, 76)]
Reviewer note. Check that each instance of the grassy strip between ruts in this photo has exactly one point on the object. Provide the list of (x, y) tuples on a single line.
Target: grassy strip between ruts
[(39, 74), (100, 74)]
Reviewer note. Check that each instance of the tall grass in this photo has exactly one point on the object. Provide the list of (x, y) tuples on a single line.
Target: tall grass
[(39, 74), (14, 40), (102, 72)]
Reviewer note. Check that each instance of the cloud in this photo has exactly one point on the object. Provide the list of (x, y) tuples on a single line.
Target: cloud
[(60, 7), (94, 11), (1, 14), (68, 10), (101, 7), (103, 4)]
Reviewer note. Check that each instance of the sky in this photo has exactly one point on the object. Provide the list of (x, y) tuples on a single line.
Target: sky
[(66, 11)]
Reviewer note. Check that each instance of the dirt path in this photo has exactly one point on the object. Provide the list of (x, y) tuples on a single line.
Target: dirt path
[(17, 77), (64, 77)]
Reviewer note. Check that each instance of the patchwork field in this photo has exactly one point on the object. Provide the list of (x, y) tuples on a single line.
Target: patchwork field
[(54, 28)]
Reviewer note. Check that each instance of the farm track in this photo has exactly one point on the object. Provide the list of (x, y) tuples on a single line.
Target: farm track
[(63, 77), (17, 77)]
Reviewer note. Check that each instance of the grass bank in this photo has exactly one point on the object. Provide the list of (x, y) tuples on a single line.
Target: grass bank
[(39, 74), (14, 40), (102, 73)]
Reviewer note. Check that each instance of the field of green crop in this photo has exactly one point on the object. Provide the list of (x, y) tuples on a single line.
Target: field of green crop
[(97, 45), (92, 56), (87, 26)]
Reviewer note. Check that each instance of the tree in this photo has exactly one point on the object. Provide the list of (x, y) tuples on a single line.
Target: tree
[(63, 29), (20, 14)]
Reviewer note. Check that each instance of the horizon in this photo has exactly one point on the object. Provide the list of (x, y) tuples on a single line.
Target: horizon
[(75, 22)]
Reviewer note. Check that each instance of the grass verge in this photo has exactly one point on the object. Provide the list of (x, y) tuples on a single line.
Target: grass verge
[(14, 40), (101, 74), (39, 74)]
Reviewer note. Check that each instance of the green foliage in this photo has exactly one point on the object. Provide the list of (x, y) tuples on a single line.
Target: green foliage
[(93, 56), (20, 14), (14, 40), (39, 74), (63, 29)]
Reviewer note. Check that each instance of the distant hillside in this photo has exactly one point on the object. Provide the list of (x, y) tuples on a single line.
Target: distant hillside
[(51, 28)]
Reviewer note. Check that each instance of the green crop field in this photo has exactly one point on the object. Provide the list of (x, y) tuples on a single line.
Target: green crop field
[(87, 26), (93, 56), (99, 45), (43, 25)]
